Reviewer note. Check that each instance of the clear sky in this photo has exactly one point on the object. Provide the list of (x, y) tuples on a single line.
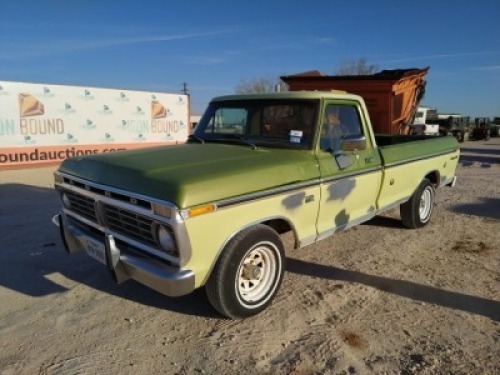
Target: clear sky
[(213, 45)]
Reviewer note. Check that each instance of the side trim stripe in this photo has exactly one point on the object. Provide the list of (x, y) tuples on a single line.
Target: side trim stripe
[(302, 185), (407, 161), (267, 193), (291, 187)]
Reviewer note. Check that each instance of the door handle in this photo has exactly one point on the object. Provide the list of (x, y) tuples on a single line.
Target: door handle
[(369, 159)]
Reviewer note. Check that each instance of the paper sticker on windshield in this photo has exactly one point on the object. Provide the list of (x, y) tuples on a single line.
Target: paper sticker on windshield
[(296, 136)]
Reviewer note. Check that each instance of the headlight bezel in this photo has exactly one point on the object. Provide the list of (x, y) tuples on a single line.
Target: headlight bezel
[(165, 239)]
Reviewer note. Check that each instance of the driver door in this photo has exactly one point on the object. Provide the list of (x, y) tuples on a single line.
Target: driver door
[(350, 169)]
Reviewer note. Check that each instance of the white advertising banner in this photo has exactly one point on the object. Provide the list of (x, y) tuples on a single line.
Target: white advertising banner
[(42, 123)]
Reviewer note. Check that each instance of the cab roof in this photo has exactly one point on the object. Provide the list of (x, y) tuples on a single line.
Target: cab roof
[(334, 94)]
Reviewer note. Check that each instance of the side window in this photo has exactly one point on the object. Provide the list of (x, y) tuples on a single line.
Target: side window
[(349, 118), (228, 121), (340, 121)]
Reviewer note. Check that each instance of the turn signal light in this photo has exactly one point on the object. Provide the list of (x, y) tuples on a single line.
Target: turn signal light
[(200, 210)]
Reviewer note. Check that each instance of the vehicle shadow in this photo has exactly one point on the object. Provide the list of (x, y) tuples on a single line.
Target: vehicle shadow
[(488, 151), (487, 207), (403, 288), (483, 156), (485, 161), (32, 252), (384, 221)]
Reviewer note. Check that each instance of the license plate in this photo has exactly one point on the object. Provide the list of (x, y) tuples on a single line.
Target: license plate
[(95, 249)]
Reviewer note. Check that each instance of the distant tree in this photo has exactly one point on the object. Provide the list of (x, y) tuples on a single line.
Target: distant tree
[(356, 68), (259, 85)]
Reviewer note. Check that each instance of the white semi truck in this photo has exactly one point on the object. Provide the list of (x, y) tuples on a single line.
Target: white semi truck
[(421, 125)]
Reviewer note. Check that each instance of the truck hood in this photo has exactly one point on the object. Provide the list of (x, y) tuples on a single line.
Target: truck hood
[(193, 174)]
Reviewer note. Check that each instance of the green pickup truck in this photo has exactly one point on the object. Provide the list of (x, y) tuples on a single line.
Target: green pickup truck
[(211, 212)]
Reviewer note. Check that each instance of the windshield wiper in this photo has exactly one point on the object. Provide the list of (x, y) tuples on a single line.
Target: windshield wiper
[(199, 139), (254, 147)]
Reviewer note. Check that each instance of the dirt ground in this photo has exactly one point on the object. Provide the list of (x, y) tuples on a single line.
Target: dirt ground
[(376, 299)]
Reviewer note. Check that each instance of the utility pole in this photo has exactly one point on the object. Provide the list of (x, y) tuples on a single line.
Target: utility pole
[(184, 89), (186, 92)]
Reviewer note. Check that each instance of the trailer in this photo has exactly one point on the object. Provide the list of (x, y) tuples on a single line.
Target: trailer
[(453, 124), (482, 129), (495, 127), (391, 96)]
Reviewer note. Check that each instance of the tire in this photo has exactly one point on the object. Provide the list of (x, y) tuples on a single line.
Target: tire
[(248, 273), (416, 212), (487, 135)]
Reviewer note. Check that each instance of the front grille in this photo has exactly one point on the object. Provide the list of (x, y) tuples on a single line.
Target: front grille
[(100, 191), (82, 205), (129, 224), (98, 209)]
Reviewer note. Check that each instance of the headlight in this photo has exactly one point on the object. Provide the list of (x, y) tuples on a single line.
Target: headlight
[(165, 240)]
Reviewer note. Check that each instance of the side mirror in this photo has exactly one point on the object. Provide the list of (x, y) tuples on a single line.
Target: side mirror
[(350, 143), (345, 161), (353, 143)]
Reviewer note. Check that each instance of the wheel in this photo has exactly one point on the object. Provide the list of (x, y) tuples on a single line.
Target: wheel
[(248, 273), (417, 211), (487, 135), (460, 136)]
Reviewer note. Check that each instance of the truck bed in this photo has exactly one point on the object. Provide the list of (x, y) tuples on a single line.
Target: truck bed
[(395, 149), (431, 157)]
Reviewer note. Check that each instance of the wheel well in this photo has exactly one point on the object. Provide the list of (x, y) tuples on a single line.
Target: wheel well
[(284, 229), (433, 177)]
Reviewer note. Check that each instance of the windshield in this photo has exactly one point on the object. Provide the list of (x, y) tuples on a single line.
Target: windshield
[(272, 123)]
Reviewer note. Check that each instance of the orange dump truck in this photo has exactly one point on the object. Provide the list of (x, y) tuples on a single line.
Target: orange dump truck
[(392, 96)]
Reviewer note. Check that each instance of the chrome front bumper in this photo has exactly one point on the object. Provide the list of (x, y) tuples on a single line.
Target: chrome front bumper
[(123, 266)]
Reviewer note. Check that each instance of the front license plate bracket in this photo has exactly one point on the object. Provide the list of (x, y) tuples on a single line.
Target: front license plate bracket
[(95, 249)]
